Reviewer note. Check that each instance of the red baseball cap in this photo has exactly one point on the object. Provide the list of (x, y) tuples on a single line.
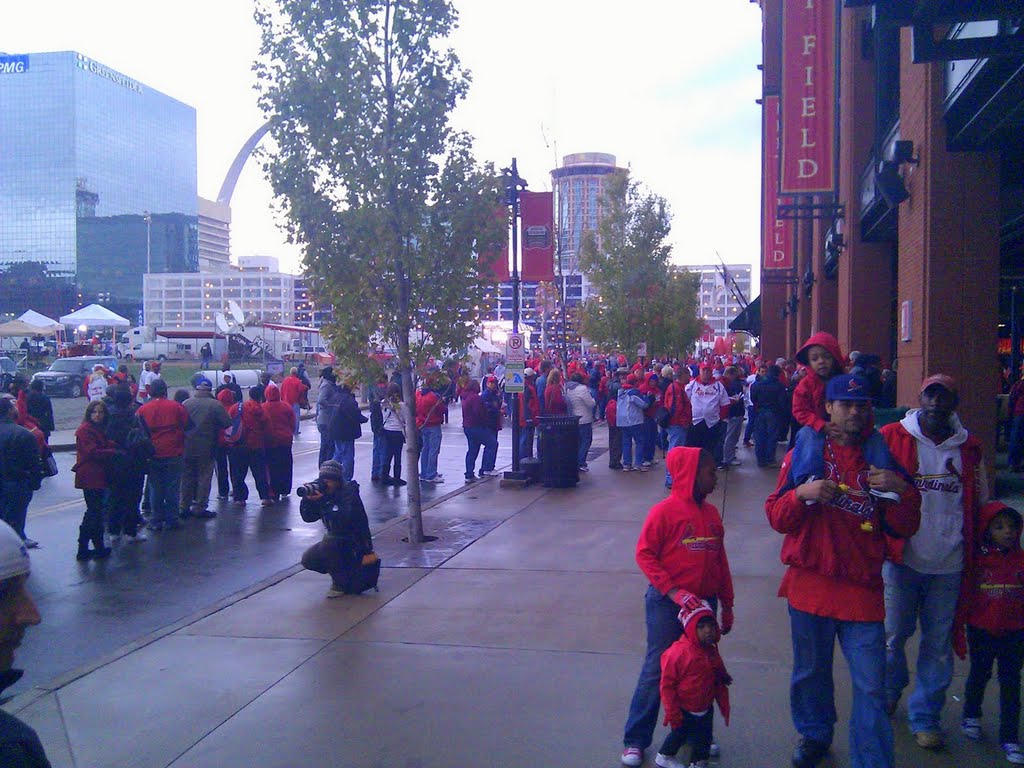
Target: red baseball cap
[(943, 380)]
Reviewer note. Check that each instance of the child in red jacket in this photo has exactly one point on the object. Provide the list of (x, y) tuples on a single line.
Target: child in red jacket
[(822, 355), (994, 614), (681, 551), (693, 678)]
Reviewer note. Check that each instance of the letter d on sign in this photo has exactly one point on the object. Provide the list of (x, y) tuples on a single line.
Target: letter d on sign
[(808, 168)]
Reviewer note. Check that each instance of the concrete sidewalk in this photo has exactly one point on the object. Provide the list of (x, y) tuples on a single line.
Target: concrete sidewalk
[(514, 640)]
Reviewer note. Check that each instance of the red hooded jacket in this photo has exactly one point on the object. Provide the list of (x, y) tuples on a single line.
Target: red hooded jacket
[(166, 421), (610, 411), (809, 395), (529, 408), (280, 418), (649, 388), (292, 390), (835, 565), (254, 423), (682, 543), (678, 404), (995, 584), (693, 676), (95, 451)]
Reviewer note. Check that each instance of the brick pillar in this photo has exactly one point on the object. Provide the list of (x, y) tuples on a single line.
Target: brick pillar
[(948, 256), (825, 294)]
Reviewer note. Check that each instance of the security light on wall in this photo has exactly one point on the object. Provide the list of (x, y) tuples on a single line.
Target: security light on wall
[(889, 183)]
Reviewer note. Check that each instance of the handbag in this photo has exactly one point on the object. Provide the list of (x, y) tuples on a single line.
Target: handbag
[(50, 466)]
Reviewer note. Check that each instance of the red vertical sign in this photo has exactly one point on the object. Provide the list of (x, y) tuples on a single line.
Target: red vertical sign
[(538, 217), (808, 97), (777, 238)]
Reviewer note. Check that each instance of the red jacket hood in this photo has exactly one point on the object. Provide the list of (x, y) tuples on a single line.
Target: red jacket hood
[(273, 394), (987, 514), (692, 618), (826, 340), (682, 468)]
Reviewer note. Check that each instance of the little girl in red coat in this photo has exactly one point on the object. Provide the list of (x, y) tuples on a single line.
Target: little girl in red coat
[(693, 678), (993, 608)]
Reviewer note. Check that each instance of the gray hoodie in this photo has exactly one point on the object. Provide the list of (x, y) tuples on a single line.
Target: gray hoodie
[(580, 401), (327, 399)]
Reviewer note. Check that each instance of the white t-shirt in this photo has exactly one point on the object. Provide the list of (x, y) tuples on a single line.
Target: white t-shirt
[(707, 401), (97, 388), (145, 379)]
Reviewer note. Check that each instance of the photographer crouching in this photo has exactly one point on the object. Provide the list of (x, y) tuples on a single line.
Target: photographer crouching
[(346, 550)]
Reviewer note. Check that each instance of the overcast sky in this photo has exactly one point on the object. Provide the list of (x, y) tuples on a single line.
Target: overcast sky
[(667, 86)]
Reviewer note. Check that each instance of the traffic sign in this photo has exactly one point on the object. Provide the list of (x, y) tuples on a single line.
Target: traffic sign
[(641, 350), (515, 377), (515, 349)]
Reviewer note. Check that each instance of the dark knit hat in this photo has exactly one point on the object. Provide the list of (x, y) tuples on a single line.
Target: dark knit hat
[(332, 470)]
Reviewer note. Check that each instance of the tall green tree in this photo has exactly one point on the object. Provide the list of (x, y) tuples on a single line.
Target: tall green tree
[(384, 197), (640, 297)]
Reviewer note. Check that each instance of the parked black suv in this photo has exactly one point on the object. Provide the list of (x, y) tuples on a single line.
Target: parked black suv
[(66, 377)]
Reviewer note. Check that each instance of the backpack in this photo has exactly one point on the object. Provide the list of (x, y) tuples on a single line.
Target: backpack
[(234, 433), (139, 443), (663, 415)]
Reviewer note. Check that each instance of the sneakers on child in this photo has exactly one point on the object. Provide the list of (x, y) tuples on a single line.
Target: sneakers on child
[(929, 739), (632, 756), (971, 727), (1013, 754), (714, 750), (667, 761)]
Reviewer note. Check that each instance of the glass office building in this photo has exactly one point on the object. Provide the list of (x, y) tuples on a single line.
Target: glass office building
[(97, 185)]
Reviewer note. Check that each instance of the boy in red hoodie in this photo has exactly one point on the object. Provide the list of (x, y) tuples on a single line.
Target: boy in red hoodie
[(994, 614), (822, 355), (681, 551), (693, 678)]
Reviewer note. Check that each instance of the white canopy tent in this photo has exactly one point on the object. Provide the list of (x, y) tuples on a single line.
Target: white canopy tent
[(95, 316), (21, 328), (40, 321)]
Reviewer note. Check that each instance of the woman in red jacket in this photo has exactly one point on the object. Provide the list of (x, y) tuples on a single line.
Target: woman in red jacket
[(95, 453), (250, 450), (280, 433), (554, 395)]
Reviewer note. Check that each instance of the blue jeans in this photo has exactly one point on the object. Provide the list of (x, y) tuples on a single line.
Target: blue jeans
[(749, 431), (766, 434), (430, 438), (380, 450), (812, 692), (15, 496), (477, 438), (164, 488), (345, 454), (650, 439), (298, 413), (586, 439), (526, 442), (631, 438), (910, 595), (663, 629), (676, 437)]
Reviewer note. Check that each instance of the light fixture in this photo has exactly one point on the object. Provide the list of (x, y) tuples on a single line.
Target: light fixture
[(834, 245), (889, 183), (903, 152)]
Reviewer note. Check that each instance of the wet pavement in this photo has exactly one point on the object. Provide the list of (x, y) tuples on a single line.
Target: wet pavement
[(90, 609)]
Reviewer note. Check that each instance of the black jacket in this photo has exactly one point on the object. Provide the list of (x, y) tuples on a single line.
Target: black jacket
[(342, 514), (19, 745), (769, 394), (41, 409), (19, 453), (345, 424)]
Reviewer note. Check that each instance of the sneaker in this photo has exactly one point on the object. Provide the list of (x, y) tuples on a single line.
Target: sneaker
[(647, 464), (1013, 753), (735, 463), (632, 756), (223, 498), (643, 468), (30, 543), (584, 468), (809, 753), (627, 467), (137, 536), (971, 727), (470, 479), (490, 473), (747, 444), (398, 482), (205, 514), (929, 739), (722, 466), (714, 750), (332, 593), (667, 761)]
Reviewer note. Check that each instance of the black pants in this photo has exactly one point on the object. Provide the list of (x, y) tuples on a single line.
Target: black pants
[(326, 446), (614, 447), (393, 443), (242, 459), (220, 458), (711, 439), (122, 503), (279, 467), (986, 649), (92, 519), (693, 729), (333, 555)]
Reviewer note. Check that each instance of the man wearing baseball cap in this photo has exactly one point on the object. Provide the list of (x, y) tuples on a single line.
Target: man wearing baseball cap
[(19, 744), (835, 512), (922, 577)]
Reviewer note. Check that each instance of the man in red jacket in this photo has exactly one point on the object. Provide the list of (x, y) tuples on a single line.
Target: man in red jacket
[(923, 575), (293, 388), (166, 421), (681, 551), (835, 526)]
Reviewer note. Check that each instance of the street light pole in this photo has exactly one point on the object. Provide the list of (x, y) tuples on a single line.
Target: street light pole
[(149, 221), (514, 184)]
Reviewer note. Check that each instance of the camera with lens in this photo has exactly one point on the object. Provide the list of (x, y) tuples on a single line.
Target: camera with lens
[(310, 489)]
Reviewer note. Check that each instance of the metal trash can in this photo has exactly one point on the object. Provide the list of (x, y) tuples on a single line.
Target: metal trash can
[(559, 448)]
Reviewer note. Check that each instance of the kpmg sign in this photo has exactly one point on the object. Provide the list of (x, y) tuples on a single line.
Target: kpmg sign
[(10, 65), (84, 62)]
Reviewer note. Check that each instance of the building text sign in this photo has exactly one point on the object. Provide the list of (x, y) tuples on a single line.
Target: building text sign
[(12, 65), (808, 97)]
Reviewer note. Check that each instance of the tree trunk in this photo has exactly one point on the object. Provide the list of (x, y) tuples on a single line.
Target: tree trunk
[(412, 454)]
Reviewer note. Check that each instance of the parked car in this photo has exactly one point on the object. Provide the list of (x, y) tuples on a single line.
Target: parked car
[(8, 370), (66, 377)]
